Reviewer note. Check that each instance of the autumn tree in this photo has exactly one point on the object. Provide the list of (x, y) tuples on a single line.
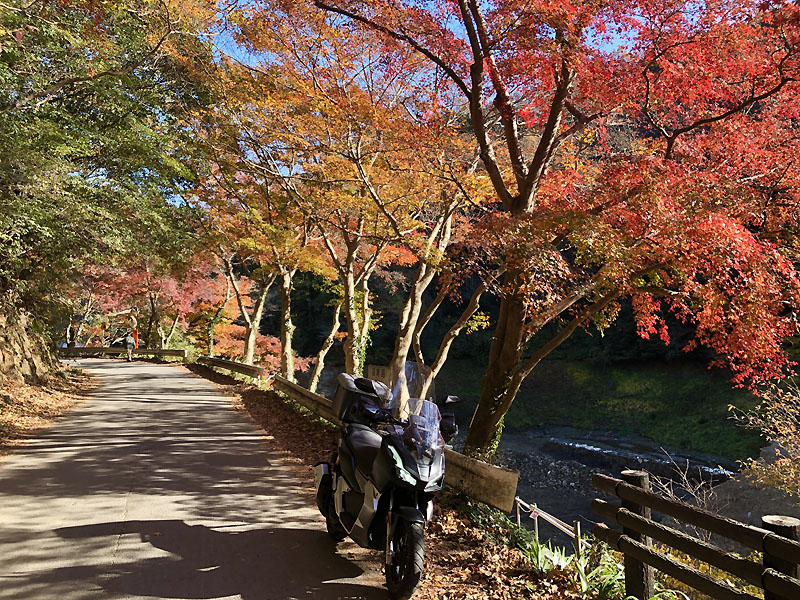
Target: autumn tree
[(350, 139), (778, 418), (253, 216), (212, 305), (91, 141), (641, 149)]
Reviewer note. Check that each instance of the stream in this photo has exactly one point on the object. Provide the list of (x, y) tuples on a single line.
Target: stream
[(556, 465)]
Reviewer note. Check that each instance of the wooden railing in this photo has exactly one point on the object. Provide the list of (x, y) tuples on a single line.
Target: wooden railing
[(253, 371), (319, 405), (93, 350), (778, 541)]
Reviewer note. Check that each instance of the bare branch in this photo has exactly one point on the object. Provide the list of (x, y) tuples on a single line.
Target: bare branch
[(400, 37)]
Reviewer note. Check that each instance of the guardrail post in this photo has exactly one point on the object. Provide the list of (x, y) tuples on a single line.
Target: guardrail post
[(788, 527), (639, 577)]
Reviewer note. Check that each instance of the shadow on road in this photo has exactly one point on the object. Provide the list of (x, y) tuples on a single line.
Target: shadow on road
[(207, 563), (183, 443), (191, 504)]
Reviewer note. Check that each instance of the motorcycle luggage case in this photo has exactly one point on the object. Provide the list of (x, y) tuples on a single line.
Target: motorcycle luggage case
[(354, 393)]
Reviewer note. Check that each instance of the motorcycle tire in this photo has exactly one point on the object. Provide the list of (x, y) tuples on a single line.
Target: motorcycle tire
[(332, 523), (324, 495), (405, 570)]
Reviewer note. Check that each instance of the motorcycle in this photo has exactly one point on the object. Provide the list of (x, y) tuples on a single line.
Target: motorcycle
[(389, 463)]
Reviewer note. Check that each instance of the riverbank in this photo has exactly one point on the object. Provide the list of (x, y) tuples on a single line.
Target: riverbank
[(556, 466), (680, 405)]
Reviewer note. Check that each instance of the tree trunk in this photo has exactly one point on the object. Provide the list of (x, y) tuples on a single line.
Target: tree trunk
[(506, 371), (249, 351), (217, 316), (497, 392), (447, 342), (352, 363), (409, 319), (84, 318), (151, 321), (410, 327), (323, 351), (287, 326), (254, 321), (172, 329), (366, 322)]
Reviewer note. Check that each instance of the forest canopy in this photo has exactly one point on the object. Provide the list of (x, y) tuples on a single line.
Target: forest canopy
[(558, 161)]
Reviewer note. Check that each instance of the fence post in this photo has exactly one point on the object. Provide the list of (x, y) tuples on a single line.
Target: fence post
[(577, 539), (788, 527), (639, 577)]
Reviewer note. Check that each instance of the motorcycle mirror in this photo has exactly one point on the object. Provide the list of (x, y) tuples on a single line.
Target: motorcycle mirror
[(448, 427)]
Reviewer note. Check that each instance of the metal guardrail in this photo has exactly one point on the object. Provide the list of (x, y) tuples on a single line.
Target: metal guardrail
[(92, 350), (253, 371)]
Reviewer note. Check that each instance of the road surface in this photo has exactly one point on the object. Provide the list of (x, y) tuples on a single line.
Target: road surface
[(157, 488)]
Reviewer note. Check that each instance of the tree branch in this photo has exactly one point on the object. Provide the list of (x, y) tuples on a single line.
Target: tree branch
[(400, 37), (73, 80), (709, 120), (561, 336)]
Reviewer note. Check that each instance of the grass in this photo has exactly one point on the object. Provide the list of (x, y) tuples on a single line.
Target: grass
[(680, 405)]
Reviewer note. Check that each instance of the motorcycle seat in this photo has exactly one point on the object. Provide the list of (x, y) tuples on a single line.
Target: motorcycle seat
[(365, 444)]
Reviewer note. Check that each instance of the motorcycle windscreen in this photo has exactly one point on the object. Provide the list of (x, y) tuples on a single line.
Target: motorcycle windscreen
[(422, 436), (414, 381)]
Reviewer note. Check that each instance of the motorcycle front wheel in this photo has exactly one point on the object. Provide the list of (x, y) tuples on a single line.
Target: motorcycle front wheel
[(405, 570)]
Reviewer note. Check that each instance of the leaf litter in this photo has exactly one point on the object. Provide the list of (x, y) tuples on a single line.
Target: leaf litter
[(26, 407), (462, 560)]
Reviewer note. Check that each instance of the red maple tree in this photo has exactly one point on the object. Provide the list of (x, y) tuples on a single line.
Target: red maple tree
[(635, 148)]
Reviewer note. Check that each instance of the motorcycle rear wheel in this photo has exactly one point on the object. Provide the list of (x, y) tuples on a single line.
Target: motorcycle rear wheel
[(332, 524), (334, 527), (405, 570)]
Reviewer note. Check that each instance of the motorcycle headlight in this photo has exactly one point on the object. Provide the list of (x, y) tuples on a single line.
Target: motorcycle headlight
[(434, 486)]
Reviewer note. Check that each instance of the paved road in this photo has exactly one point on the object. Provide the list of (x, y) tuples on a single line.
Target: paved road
[(157, 488)]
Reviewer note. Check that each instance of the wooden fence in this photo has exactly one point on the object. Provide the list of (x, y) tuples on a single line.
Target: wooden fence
[(94, 350), (778, 542)]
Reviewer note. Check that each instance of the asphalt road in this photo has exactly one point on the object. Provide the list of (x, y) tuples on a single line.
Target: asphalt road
[(157, 488)]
